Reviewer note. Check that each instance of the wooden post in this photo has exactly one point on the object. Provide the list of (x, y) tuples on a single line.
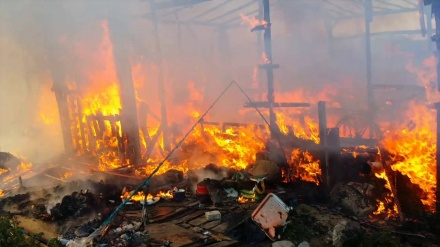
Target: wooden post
[(368, 19), (60, 89), (161, 83), (334, 149), (269, 70), (437, 106), (436, 11), (129, 118), (323, 142), (429, 28)]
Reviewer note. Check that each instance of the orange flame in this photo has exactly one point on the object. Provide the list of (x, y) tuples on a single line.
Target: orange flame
[(66, 175), (139, 196), (306, 167), (252, 21), (413, 152), (3, 171), (388, 199), (241, 199)]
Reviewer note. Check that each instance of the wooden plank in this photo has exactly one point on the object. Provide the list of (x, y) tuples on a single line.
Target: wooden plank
[(232, 223), (211, 224), (189, 217), (198, 221), (167, 216), (225, 244), (170, 232)]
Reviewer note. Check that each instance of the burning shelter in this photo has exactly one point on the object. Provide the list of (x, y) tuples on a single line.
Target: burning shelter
[(193, 116)]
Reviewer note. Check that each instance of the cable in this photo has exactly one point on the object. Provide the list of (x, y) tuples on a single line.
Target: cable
[(264, 119), (147, 180), (104, 225)]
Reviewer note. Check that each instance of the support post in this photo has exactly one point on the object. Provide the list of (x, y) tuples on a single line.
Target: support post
[(437, 194), (260, 16), (368, 19), (435, 9), (59, 87), (161, 84), (129, 118), (323, 142), (334, 152), (269, 69), (429, 28)]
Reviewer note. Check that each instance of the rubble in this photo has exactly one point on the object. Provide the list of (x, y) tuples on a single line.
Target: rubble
[(356, 198), (309, 219), (283, 243), (346, 233), (304, 244)]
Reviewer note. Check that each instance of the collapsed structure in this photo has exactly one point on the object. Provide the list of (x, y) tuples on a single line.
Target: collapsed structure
[(109, 129)]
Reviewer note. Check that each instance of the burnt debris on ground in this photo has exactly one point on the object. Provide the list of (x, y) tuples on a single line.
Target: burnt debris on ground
[(216, 206)]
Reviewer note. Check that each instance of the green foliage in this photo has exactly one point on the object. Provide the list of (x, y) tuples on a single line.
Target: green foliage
[(54, 243), (12, 235)]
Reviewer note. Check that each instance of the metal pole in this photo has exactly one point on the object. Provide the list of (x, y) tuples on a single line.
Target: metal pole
[(269, 70), (368, 19), (161, 86)]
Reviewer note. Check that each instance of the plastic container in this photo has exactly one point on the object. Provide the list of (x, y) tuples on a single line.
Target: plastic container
[(270, 214)]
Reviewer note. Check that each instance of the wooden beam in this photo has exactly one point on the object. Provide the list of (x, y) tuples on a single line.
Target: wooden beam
[(260, 104)]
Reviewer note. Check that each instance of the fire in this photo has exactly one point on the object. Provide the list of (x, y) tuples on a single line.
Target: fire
[(165, 195), (306, 167), (3, 171), (139, 196), (24, 166), (264, 59), (388, 199), (413, 152), (241, 199), (67, 175), (105, 102), (252, 21), (2, 194), (97, 130)]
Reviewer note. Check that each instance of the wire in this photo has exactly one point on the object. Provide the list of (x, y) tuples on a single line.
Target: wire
[(264, 119), (147, 180)]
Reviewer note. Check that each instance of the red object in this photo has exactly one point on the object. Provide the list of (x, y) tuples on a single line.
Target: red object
[(202, 188)]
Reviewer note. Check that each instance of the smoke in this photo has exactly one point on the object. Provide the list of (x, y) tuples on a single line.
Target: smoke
[(42, 41)]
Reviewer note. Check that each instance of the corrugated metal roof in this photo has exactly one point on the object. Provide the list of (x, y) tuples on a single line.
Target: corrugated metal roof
[(226, 13)]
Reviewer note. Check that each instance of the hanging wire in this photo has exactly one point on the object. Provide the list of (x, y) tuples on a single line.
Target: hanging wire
[(104, 225)]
